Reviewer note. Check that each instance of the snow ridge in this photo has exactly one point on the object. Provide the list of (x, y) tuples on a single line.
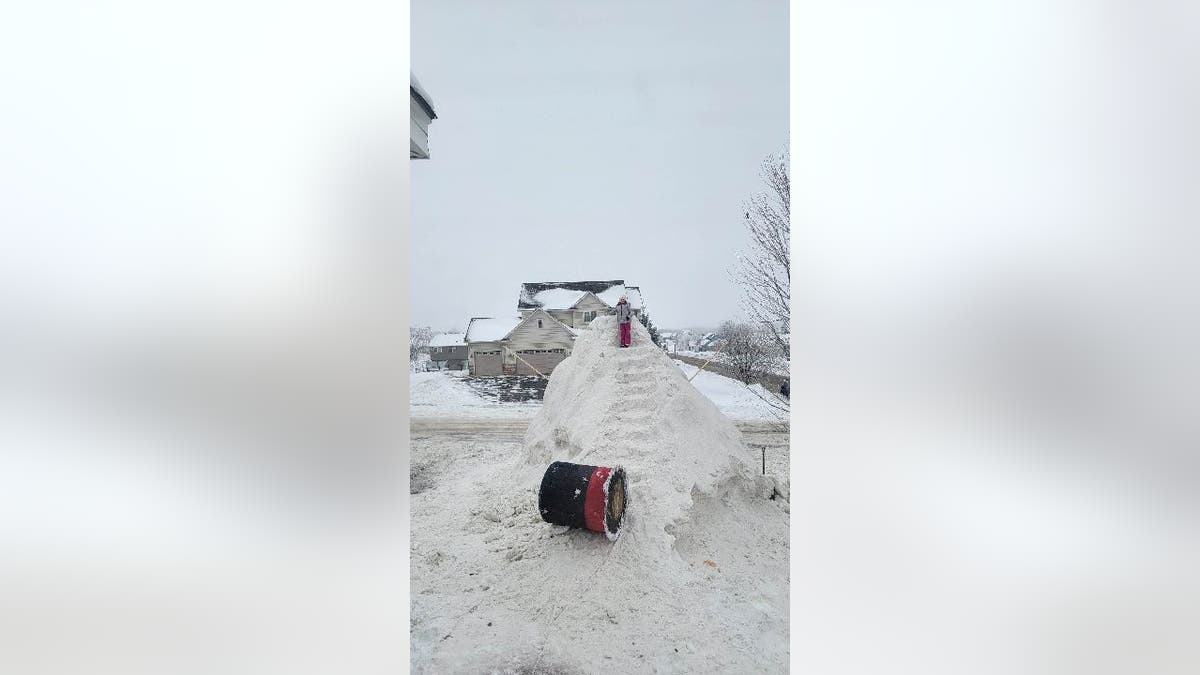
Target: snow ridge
[(633, 407)]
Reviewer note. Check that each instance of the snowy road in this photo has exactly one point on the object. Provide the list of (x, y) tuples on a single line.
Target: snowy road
[(764, 433), (508, 429)]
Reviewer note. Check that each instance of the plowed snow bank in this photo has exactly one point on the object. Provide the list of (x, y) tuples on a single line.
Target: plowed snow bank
[(696, 582), (633, 407)]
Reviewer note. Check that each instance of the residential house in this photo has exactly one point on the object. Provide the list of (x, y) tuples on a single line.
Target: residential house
[(448, 351), (709, 342), (524, 345), (420, 116), (668, 341), (576, 303)]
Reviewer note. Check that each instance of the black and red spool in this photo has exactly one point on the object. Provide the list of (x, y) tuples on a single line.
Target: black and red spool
[(587, 497)]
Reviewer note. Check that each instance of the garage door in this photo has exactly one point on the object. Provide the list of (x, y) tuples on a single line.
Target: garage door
[(488, 363), (542, 359)]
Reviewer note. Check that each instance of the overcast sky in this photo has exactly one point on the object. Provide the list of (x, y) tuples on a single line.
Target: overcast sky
[(612, 140)]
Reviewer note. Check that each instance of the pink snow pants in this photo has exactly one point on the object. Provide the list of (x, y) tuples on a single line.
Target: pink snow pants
[(625, 334)]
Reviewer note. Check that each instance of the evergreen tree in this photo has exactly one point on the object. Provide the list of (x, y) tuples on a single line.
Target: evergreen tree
[(644, 317)]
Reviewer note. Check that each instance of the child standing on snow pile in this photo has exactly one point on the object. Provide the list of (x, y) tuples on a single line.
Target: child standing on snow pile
[(624, 314)]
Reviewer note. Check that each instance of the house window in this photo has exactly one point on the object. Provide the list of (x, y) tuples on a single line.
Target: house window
[(539, 323), (588, 316)]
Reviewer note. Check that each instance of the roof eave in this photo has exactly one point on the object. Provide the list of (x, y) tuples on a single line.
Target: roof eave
[(425, 105)]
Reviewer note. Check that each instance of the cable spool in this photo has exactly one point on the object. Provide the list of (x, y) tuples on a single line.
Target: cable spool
[(587, 497)]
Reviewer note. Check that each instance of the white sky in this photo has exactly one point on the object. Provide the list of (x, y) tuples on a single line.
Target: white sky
[(612, 140)]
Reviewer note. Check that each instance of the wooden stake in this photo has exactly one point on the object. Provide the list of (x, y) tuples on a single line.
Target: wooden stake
[(707, 362)]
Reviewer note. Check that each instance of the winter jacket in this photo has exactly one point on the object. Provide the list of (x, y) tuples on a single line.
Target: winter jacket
[(623, 312)]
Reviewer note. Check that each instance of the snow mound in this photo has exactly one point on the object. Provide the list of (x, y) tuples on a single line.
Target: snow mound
[(697, 580), (633, 408)]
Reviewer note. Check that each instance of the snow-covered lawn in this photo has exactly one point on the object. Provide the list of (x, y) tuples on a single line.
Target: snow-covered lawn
[(446, 394), (443, 393), (735, 399), (783, 367)]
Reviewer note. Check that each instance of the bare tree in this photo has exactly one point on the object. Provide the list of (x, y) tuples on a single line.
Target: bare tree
[(749, 351), (418, 341), (765, 271), (683, 338)]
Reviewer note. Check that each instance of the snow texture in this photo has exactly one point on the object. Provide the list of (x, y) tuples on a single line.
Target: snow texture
[(632, 407), (781, 366), (416, 86), (564, 295), (448, 340), (490, 330), (733, 398), (608, 530), (443, 393), (613, 294), (557, 298), (696, 582)]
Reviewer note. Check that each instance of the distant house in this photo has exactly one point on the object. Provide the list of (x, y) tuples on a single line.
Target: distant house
[(449, 351), (668, 341), (420, 116), (709, 342), (576, 303), (524, 345)]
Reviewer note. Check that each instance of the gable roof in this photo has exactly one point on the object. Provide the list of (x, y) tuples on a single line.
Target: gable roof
[(483, 329), (555, 298), (418, 94), (487, 329), (566, 294), (448, 340), (538, 313), (634, 294)]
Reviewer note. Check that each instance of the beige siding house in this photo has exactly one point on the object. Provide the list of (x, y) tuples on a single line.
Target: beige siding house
[(541, 336), (527, 345)]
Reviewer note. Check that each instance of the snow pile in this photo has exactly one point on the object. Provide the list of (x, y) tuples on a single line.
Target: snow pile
[(633, 407), (697, 581)]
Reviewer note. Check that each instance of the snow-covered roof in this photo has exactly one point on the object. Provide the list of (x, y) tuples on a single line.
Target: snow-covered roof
[(422, 97), (558, 298), (486, 329), (634, 295), (564, 294), (447, 340)]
